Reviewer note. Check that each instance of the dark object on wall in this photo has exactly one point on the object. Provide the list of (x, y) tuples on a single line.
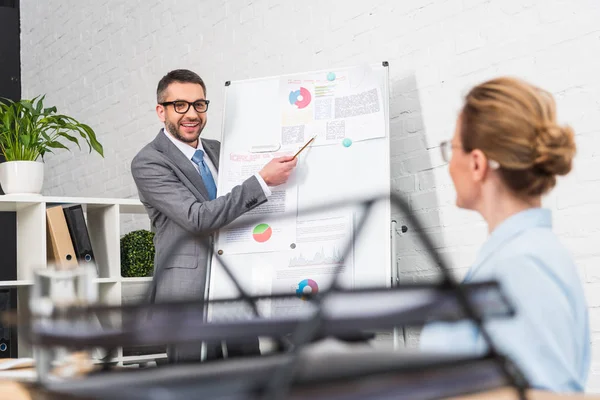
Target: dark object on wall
[(8, 335), (9, 3), (137, 254), (10, 48), (10, 88)]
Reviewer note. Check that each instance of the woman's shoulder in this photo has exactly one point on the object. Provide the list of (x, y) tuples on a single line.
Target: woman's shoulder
[(538, 239), (538, 245), (537, 257), (534, 253)]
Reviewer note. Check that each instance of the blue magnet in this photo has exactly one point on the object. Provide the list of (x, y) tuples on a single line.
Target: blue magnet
[(331, 76), (347, 142)]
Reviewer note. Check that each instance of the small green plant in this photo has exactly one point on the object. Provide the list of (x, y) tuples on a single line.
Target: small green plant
[(137, 254), (28, 130)]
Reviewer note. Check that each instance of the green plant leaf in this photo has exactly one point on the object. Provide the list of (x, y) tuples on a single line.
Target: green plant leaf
[(39, 106), (92, 138), (25, 140), (56, 145), (62, 120), (69, 138), (28, 106), (28, 130)]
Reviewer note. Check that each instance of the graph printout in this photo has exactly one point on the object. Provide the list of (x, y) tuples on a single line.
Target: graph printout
[(272, 232), (321, 242), (346, 105)]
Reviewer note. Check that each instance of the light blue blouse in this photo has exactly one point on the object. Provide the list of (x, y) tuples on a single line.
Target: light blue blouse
[(549, 337)]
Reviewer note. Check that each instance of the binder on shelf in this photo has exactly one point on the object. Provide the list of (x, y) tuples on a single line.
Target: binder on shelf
[(59, 247), (79, 233)]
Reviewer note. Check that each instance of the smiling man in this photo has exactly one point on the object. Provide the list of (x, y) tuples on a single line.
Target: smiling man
[(176, 177)]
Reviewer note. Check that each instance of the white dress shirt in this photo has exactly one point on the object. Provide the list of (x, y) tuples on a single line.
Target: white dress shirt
[(188, 151)]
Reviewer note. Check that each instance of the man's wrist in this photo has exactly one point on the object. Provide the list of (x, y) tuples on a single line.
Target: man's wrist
[(263, 184), (264, 178)]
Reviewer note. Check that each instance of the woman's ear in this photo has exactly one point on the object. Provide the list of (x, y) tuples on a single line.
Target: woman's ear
[(478, 165)]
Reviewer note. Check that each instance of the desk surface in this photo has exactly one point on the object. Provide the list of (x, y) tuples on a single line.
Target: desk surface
[(18, 391)]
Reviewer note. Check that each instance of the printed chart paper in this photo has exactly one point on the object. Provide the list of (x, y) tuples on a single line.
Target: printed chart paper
[(312, 265), (273, 232), (347, 107)]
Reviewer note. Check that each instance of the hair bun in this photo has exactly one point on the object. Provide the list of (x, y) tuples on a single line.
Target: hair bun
[(555, 148)]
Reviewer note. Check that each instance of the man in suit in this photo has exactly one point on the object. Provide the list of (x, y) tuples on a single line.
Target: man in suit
[(175, 176)]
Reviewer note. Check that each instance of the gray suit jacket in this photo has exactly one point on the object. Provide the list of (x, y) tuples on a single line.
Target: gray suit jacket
[(182, 217)]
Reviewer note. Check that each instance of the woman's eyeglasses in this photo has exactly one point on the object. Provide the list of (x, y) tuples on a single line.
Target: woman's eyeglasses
[(446, 148)]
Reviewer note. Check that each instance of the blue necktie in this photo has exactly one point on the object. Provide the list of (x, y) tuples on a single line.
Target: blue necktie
[(207, 177)]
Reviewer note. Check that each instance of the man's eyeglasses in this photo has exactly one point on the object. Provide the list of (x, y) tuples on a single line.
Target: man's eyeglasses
[(182, 106)]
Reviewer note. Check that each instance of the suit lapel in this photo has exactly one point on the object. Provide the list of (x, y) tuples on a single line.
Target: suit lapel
[(185, 165), (212, 151)]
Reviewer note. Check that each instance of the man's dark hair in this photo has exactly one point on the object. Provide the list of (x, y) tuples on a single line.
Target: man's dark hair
[(178, 75)]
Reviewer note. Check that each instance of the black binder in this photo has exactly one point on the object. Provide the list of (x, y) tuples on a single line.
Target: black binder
[(79, 233)]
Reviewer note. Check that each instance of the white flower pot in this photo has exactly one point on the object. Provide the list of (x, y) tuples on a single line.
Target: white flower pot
[(22, 177)]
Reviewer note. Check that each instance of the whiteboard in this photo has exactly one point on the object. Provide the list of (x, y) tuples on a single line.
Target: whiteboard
[(325, 174)]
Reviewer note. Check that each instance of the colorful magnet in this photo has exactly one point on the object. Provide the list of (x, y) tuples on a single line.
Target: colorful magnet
[(331, 76), (347, 142)]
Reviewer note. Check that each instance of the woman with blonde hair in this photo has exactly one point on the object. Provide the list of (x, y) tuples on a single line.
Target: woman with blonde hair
[(506, 152)]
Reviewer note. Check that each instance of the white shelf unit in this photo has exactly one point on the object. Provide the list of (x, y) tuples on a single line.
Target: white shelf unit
[(103, 216)]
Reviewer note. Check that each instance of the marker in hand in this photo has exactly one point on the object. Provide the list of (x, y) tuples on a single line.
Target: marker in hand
[(278, 170), (305, 146)]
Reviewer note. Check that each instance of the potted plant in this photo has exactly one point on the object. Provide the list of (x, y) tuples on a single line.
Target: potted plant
[(28, 131), (137, 254)]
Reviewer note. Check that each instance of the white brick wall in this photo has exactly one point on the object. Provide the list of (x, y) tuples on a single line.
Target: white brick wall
[(101, 60)]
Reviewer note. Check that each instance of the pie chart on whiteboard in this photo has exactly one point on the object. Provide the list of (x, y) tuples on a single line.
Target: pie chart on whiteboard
[(300, 98), (262, 233)]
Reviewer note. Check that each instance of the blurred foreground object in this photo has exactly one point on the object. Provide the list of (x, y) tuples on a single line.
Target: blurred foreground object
[(55, 290)]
